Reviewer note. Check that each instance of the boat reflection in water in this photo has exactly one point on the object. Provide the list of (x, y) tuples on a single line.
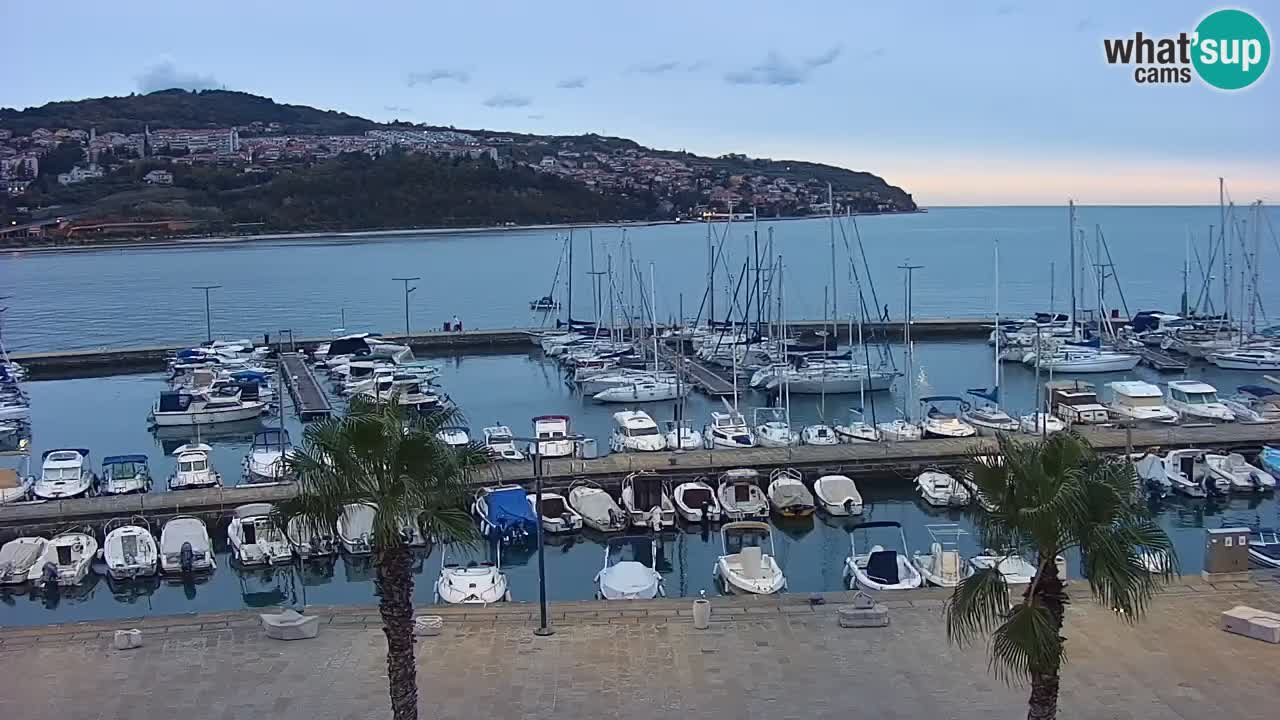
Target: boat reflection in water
[(130, 591), (236, 433)]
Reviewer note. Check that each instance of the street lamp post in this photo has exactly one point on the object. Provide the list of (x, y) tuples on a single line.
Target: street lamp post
[(407, 290), (208, 323)]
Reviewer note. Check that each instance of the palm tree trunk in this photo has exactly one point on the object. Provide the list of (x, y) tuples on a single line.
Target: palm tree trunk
[(1051, 594), (395, 589)]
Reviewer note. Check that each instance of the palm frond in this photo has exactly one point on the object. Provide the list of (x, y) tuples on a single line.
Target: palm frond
[(1114, 569), (1026, 642), (977, 606)]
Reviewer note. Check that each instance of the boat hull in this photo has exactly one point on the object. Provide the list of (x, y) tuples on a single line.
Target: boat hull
[(211, 417)]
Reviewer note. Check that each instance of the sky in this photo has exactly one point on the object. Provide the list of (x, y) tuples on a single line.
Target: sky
[(974, 103)]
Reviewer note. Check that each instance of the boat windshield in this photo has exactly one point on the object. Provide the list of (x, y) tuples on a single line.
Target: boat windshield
[(193, 465), (125, 469), (1145, 402), (1078, 399), (1205, 398), (642, 431), (56, 474), (735, 541)]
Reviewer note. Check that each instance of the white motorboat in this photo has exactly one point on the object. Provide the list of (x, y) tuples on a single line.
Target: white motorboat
[(1254, 404), (788, 495), (1140, 401), (643, 391), (838, 495), (194, 468), (1197, 401), (455, 436), (989, 420), (1246, 359), (475, 582), (1264, 548), (557, 516), (498, 440), (681, 436), (1242, 476), (635, 431), (857, 430), (355, 528), (552, 432), (266, 461), (595, 383), (1088, 361), (899, 430), (65, 561), (18, 557), (1156, 562), (943, 566), (647, 502), (1015, 569), (1040, 423), (630, 569), (308, 540), (740, 495), (1075, 402), (819, 434), (880, 568), (827, 380), (64, 473), (940, 489), (728, 430), (185, 547), (124, 474), (255, 539), (1184, 471), (744, 566), (772, 428), (130, 551), (939, 423), (184, 408), (598, 509), (13, 488), (406, 390), (696, 501)]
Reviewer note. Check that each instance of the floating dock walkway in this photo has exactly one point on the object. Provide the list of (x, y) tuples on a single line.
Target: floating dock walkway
[(1162, 361), (859, 460), (309, 398)]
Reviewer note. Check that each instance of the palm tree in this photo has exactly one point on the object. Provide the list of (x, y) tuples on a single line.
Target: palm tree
[(412, 479), (1050, 497)]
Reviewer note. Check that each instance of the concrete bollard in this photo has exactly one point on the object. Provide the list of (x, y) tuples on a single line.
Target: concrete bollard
[(128, 639), (427, 625), (701, 614)]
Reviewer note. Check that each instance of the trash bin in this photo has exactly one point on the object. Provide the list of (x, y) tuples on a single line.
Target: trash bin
[(587, 448)]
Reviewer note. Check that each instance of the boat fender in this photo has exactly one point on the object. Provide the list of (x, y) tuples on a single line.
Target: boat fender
[(186, 557)]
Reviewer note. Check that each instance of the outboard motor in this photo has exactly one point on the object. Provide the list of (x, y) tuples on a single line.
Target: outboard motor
[(566, 519), (1256, 482), (186, 558), (706, 512), (616, 518), (848, 506), (49, 575)]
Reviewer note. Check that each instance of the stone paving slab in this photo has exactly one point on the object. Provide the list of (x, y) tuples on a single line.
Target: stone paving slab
[(763, 658)]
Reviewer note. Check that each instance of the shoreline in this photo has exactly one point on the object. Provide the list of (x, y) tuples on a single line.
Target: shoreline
[(373, 234)]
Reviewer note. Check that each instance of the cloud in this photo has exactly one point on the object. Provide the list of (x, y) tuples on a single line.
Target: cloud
[(572, 83), (508, 100), (1006, 9), (396, 109), (1087, 25), (534, 117), (697, 65), (656, 68), (429, 76), (164, 75), (777, 70)]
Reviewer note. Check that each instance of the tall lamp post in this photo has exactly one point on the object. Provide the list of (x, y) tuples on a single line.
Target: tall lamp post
[(535, 445), (208, 323), (407, 290)]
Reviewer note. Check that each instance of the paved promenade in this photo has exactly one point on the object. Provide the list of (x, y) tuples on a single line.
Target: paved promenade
[(762, 658)]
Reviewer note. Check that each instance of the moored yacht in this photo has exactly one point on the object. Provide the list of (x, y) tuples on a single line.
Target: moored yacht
[(939, 423), (681, 435), (728, 430), (498, 440), (182, 407), (194, 468), (124, 474), (1140, 401), (1197, 401), (552, 432), (635, 431), (1246, 359), (265, 462), (64, 473)]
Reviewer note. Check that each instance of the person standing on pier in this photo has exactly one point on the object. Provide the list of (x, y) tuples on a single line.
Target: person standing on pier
[(457, 324)]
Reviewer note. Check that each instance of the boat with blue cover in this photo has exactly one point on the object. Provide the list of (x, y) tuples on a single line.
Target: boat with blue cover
[(504, 513)]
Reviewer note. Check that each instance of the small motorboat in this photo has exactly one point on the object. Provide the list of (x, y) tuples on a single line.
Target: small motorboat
[(194, 469), (988, 419), (1140, 401), (772, 428), (130, 552), (552, 432), (788, 495), (635, 431), (642, 391), (1197, 401), (1015, 569), (899, 431), (939, 423), (630, 569), (65, 561), (1264, 548), (598, 509), (1186, 472), (1254, 404), (265, 462), (728, 430), (940, 489), (544, 304), (309, 540), (819, 434), (647, 502), (1269, 459), (185, 547), (1155, 562), (838, 495), (18, 557), (498, 440), (744, 566), (1246, 359), (696, 501), (13, 487), (740, 495), (857, 429), (557, 517), (455, 436), (504, 513), (880, 568), (185, 408), (254, 537), (474, 582), (943, 566), (681, 436), (1041, 423), (1239, 473), (355, 528), (124, 474), (64, 473)]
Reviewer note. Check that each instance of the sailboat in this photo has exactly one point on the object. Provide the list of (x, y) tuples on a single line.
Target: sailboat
[(990, 419), (902, 429)]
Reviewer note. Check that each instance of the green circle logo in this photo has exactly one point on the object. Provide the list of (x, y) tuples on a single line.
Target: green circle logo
[(1232, 49)]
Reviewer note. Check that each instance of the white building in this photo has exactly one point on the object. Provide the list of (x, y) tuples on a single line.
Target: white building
[(158, 177), (79, 174)]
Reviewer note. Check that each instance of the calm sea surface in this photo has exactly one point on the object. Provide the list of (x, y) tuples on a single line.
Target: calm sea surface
[(141, 297), (108, 416)]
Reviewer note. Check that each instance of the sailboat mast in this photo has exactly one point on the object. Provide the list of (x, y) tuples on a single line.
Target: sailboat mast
[(653, 315), (831, 217), (1226, 267), (995, 391), (1071, 272), (570, 308), (711, 276)]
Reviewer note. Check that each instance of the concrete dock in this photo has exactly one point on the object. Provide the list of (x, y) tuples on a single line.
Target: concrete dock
[(859, 461)]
